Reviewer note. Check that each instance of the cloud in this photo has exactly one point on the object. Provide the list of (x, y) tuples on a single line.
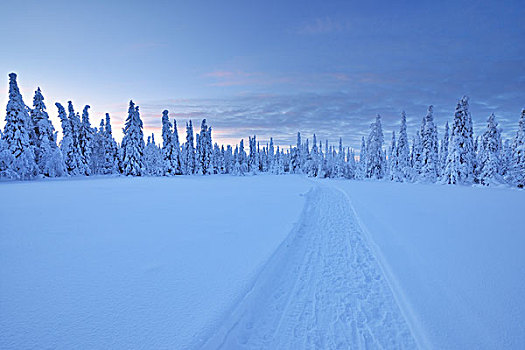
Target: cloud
[(330, 115)]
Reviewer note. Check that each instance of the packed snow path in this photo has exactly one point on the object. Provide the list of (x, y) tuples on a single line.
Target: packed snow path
[(321, 289)]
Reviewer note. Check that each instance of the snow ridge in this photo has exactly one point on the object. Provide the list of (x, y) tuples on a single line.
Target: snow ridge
[(323, 288)]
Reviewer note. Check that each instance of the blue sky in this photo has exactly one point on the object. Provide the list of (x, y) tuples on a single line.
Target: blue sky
[(270, 67)]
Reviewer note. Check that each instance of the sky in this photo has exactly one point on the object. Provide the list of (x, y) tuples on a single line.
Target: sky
[(270, 68)]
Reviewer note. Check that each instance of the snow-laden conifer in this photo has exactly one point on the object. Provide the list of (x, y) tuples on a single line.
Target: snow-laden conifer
[(48, 156), (375, 165), (402, 168), (132, 151), (204, 149), (188, 151), (111, 162), (18, 153), (169, 153), (460, 160), (429, 166), (85, 141), (153, 159), (391, 159), (490, 154)]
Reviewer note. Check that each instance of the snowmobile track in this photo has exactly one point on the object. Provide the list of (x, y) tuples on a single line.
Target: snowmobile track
[(322, 289)]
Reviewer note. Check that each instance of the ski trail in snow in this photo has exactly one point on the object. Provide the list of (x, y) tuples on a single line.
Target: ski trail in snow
[(322, 289)]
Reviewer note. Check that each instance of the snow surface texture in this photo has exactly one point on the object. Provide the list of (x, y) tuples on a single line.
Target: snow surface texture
[(126, 263), (247, 262), (454, 256), (322, 289)]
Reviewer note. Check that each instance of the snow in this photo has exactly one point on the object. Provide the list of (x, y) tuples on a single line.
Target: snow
[(454, 256), (134, 262), (259, 262), (322, 289)]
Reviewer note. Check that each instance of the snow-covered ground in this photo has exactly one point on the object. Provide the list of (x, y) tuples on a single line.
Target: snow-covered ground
[(134, 262), (259, 262), (455, 257)]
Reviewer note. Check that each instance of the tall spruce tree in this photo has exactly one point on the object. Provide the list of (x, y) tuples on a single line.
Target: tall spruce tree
[(402, 168), (490, 154), (132, 150), (169, 154), (460, 160), (48, 156), (111, 161), (176, 149), (429, 170), (85, 141), (375, 165), (205, 149), (189, 151), (19, 153), (392, 158), (153, 158)]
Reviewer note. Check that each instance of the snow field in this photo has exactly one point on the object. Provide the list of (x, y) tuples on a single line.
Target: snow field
[(134, 262), (454, 256), (323, 289)]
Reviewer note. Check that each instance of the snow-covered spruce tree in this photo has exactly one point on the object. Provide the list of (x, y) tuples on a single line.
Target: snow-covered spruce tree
[(518, 150), (361, 165), (197, 154), (229, 160), (320, 160), (351, 165), (305, 155), (296, 154), (111, 162), (280, 161), (85, 141), (271, 157), (402, 168), (176, 149), (188, 151), (18, 154), (339, 161), (253, 166), (507, 163), (73, 157), (490, 154), (375, 162), (67, 143), (132, 150), (236, 168), (48, 156), (415, 157), (98, 150), (153, 159), (443, 151), (204, 150), (460, 160), (218, 159), (243, 159), (312, 162), (429, 170), (392, 158), (169, 152)]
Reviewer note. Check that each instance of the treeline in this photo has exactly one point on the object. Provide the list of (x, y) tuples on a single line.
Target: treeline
[(29, 149)]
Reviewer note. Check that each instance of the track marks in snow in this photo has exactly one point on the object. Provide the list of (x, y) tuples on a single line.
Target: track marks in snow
[(322, 289)]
